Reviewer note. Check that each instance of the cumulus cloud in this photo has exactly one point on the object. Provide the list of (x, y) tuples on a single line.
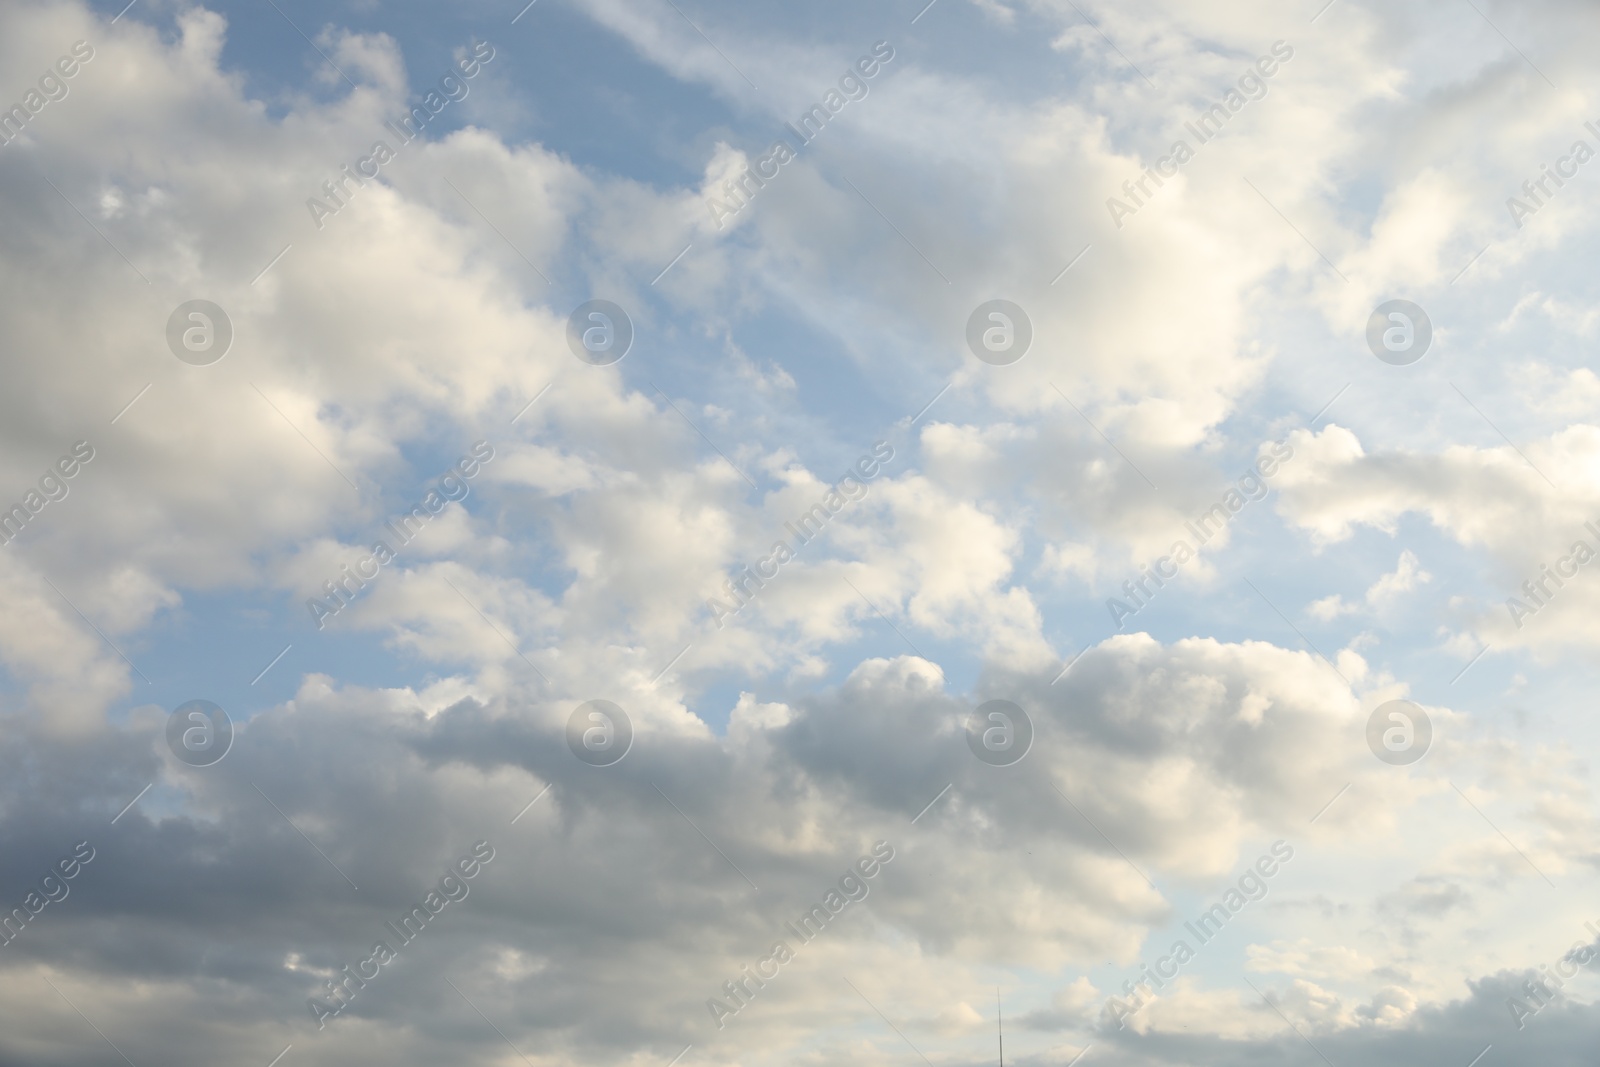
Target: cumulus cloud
[(306, 497)]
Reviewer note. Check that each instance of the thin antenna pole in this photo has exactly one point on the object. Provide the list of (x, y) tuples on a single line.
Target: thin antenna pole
[(1000, 1026)]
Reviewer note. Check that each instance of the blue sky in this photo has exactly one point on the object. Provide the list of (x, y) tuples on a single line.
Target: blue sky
[(1172, 348)]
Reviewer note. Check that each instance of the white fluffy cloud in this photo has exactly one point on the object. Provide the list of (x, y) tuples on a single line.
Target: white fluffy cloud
[(613, 524)]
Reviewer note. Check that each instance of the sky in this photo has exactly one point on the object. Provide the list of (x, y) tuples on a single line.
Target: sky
[(671, 532)]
